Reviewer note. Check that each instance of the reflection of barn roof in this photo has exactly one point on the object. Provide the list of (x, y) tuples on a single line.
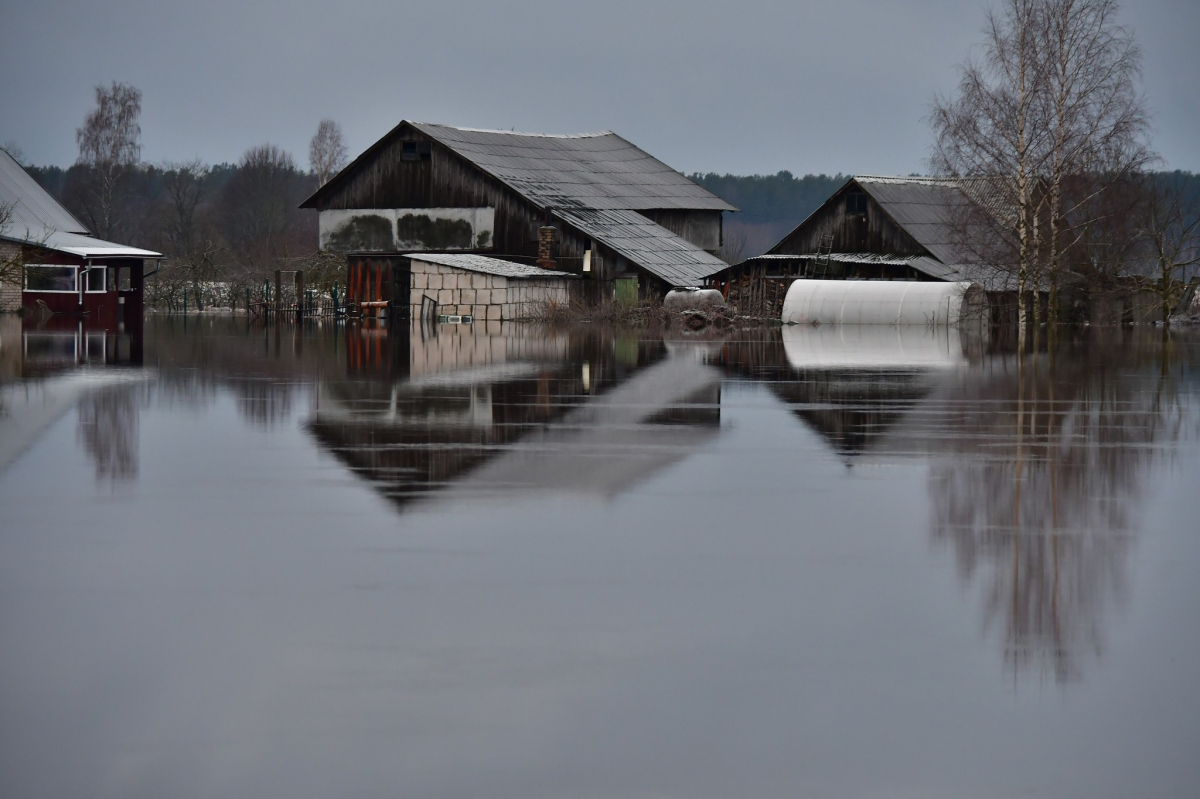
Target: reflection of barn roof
[(531, 432), (38, 219), (852, 384)]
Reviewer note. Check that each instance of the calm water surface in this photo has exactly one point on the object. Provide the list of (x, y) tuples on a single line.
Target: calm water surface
[(510, 562)]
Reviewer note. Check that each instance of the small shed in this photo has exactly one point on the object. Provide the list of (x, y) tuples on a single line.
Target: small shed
[(483, 287)]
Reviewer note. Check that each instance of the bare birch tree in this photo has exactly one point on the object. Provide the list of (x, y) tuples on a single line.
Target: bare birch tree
[(1052, 113), (327, 151), (109, 147), (992, 129), (1169, 225), (1096, 115)]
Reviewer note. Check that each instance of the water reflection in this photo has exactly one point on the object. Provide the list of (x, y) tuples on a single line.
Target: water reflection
[(486, 412), (108, 430), (1038, 465), (49, 366)]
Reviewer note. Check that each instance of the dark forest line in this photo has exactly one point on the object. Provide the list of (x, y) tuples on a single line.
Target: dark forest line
[(249, 215)]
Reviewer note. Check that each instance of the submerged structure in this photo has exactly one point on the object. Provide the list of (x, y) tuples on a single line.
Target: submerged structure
[(873, 228), (592, 205), (54, 263)]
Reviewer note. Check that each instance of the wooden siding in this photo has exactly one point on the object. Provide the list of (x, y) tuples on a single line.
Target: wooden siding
[(874, 231), (702, 228), (445, 180)]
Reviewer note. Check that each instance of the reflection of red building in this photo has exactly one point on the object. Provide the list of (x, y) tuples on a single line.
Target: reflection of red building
[(51, 262), (63, 343)]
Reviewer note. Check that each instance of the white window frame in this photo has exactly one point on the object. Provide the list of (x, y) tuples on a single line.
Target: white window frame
[(84, 276), (25, 280)]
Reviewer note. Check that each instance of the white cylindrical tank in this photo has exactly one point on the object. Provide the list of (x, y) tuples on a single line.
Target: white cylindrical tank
[(689, 298), (881, 302)]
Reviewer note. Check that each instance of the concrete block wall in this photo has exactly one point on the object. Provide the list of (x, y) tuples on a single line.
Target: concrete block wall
[(456, 347), (10, 288), (489, 298)]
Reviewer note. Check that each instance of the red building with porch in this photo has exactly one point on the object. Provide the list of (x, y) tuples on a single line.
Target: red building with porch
[(50, 262)]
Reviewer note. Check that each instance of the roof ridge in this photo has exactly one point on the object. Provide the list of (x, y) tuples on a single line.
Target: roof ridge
[(925, 180), (591, 135)]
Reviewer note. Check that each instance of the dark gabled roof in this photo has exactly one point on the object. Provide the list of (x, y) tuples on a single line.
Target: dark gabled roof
[(601, 171), (647, 244), (925, 209)]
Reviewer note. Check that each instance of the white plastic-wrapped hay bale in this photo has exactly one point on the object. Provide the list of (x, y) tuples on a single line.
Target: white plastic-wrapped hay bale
[(692, 298), (874, 347), (882, 302)]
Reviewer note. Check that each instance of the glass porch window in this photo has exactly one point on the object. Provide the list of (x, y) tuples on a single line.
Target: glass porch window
[(44, 277)]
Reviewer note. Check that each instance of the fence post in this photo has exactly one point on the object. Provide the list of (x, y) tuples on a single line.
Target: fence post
[(185, 302), (247, 301)]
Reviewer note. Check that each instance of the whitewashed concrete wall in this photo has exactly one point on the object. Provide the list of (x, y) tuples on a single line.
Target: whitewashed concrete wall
[(485, 297), (406, 229)]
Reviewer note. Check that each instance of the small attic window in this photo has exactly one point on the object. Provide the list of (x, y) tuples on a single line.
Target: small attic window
[(414, 151), (856, 203)]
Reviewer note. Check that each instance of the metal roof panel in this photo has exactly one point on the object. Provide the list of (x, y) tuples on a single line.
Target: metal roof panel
[(34, 211)]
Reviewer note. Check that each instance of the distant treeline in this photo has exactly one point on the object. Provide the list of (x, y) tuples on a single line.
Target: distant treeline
[(241, 220), (223, 228), (769, 205)]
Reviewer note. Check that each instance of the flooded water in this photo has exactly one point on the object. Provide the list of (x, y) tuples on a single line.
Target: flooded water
[(510, 562)]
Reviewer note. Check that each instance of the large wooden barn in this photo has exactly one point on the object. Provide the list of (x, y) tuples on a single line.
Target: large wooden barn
[(593, 205), (53, 262), (872, 228)]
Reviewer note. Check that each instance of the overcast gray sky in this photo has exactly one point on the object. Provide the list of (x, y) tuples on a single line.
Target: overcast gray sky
[(754, 86)]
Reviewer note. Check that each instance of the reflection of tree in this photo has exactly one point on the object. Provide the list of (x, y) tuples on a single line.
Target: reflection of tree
[(1038, 468), (263, 402), (108, 430)]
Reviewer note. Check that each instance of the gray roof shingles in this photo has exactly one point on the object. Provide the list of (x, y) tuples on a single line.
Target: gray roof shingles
[(652, 247), (600, 171)]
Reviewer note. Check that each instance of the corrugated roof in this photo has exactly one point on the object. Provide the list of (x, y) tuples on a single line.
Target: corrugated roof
[(926, 207), (923, 207), (89, 247), (486, 265), (648, 245), (34, 210), (593, 170)]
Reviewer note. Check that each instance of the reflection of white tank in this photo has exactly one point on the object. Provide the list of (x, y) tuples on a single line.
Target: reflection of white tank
[(882, 302), (873, 347), (689, 298)]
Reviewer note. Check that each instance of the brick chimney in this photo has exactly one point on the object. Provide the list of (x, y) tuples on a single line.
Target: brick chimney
[(546, 236)]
